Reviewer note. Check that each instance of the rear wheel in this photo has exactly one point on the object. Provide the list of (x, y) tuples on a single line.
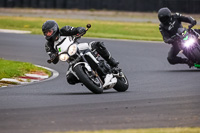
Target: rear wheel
[(89, 79)]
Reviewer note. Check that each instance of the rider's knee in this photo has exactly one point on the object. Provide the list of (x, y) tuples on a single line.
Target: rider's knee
[(97, 45), (171, 60)]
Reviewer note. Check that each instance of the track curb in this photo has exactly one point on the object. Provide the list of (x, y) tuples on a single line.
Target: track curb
[(29, 78)]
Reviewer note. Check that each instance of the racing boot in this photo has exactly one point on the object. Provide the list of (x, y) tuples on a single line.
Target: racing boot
[(188, 62), (101, 49), (112, 62)]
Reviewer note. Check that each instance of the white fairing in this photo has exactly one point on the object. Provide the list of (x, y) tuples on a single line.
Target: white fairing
[(109, 81), (63, 43), (83, 46), (68, 40)]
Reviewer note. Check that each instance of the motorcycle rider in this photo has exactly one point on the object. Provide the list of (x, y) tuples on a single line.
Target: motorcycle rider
[(168, 27), (52, 33)]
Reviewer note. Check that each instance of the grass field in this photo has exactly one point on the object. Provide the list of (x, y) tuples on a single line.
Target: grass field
[(152, 130), (18, 19), (9, 69), (101, 29)]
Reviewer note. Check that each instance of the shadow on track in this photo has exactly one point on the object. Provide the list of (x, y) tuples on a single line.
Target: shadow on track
[(60, 94), (178, 71), (77, 93), (193, 70)]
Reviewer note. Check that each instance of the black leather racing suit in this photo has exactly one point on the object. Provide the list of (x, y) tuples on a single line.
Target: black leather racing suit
[(171, 29)]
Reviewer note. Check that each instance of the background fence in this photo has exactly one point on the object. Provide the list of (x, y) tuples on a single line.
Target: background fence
[(186, 6)]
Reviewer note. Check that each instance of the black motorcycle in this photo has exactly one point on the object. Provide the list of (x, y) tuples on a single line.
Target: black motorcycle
[(189, 44)]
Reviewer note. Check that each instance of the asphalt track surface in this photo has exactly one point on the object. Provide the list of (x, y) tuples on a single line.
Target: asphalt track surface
[(160, 95)]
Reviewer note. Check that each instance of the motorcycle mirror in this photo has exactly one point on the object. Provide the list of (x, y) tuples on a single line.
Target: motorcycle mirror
[(88, 26)]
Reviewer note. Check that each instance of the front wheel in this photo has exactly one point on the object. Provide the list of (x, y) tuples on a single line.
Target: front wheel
[(89, 79), (122, 84)]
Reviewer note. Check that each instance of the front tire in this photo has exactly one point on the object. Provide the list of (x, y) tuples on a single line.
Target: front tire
[(196, 53), (122, 84), (89, 79)]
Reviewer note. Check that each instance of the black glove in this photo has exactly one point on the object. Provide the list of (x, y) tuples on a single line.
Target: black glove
[(53, 56), (170, 40), (81, 30), (194, 22), (49, 61)]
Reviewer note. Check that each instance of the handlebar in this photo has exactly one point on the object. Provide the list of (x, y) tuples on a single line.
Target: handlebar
[(49, 61), (175, 36), (178, 35)]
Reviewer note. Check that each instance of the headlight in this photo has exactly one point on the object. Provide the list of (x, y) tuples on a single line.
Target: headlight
[(63, 57), (72, 49), (189, 43)]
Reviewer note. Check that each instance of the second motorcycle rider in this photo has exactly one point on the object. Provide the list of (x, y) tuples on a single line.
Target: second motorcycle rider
[(168, 28)]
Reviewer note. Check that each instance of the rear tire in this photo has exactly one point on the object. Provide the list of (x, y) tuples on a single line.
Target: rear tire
[(91, 81)]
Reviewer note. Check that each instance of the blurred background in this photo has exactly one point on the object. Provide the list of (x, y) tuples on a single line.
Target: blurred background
[(186, 6), (117, 19)]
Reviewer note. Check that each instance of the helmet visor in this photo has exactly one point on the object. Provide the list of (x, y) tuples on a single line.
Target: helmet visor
[(165, 19), (48, 33), (51, 31)]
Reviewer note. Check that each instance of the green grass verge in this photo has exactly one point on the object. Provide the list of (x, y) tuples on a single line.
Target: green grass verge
[(101, 29), (9, 69), (152, 130)]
